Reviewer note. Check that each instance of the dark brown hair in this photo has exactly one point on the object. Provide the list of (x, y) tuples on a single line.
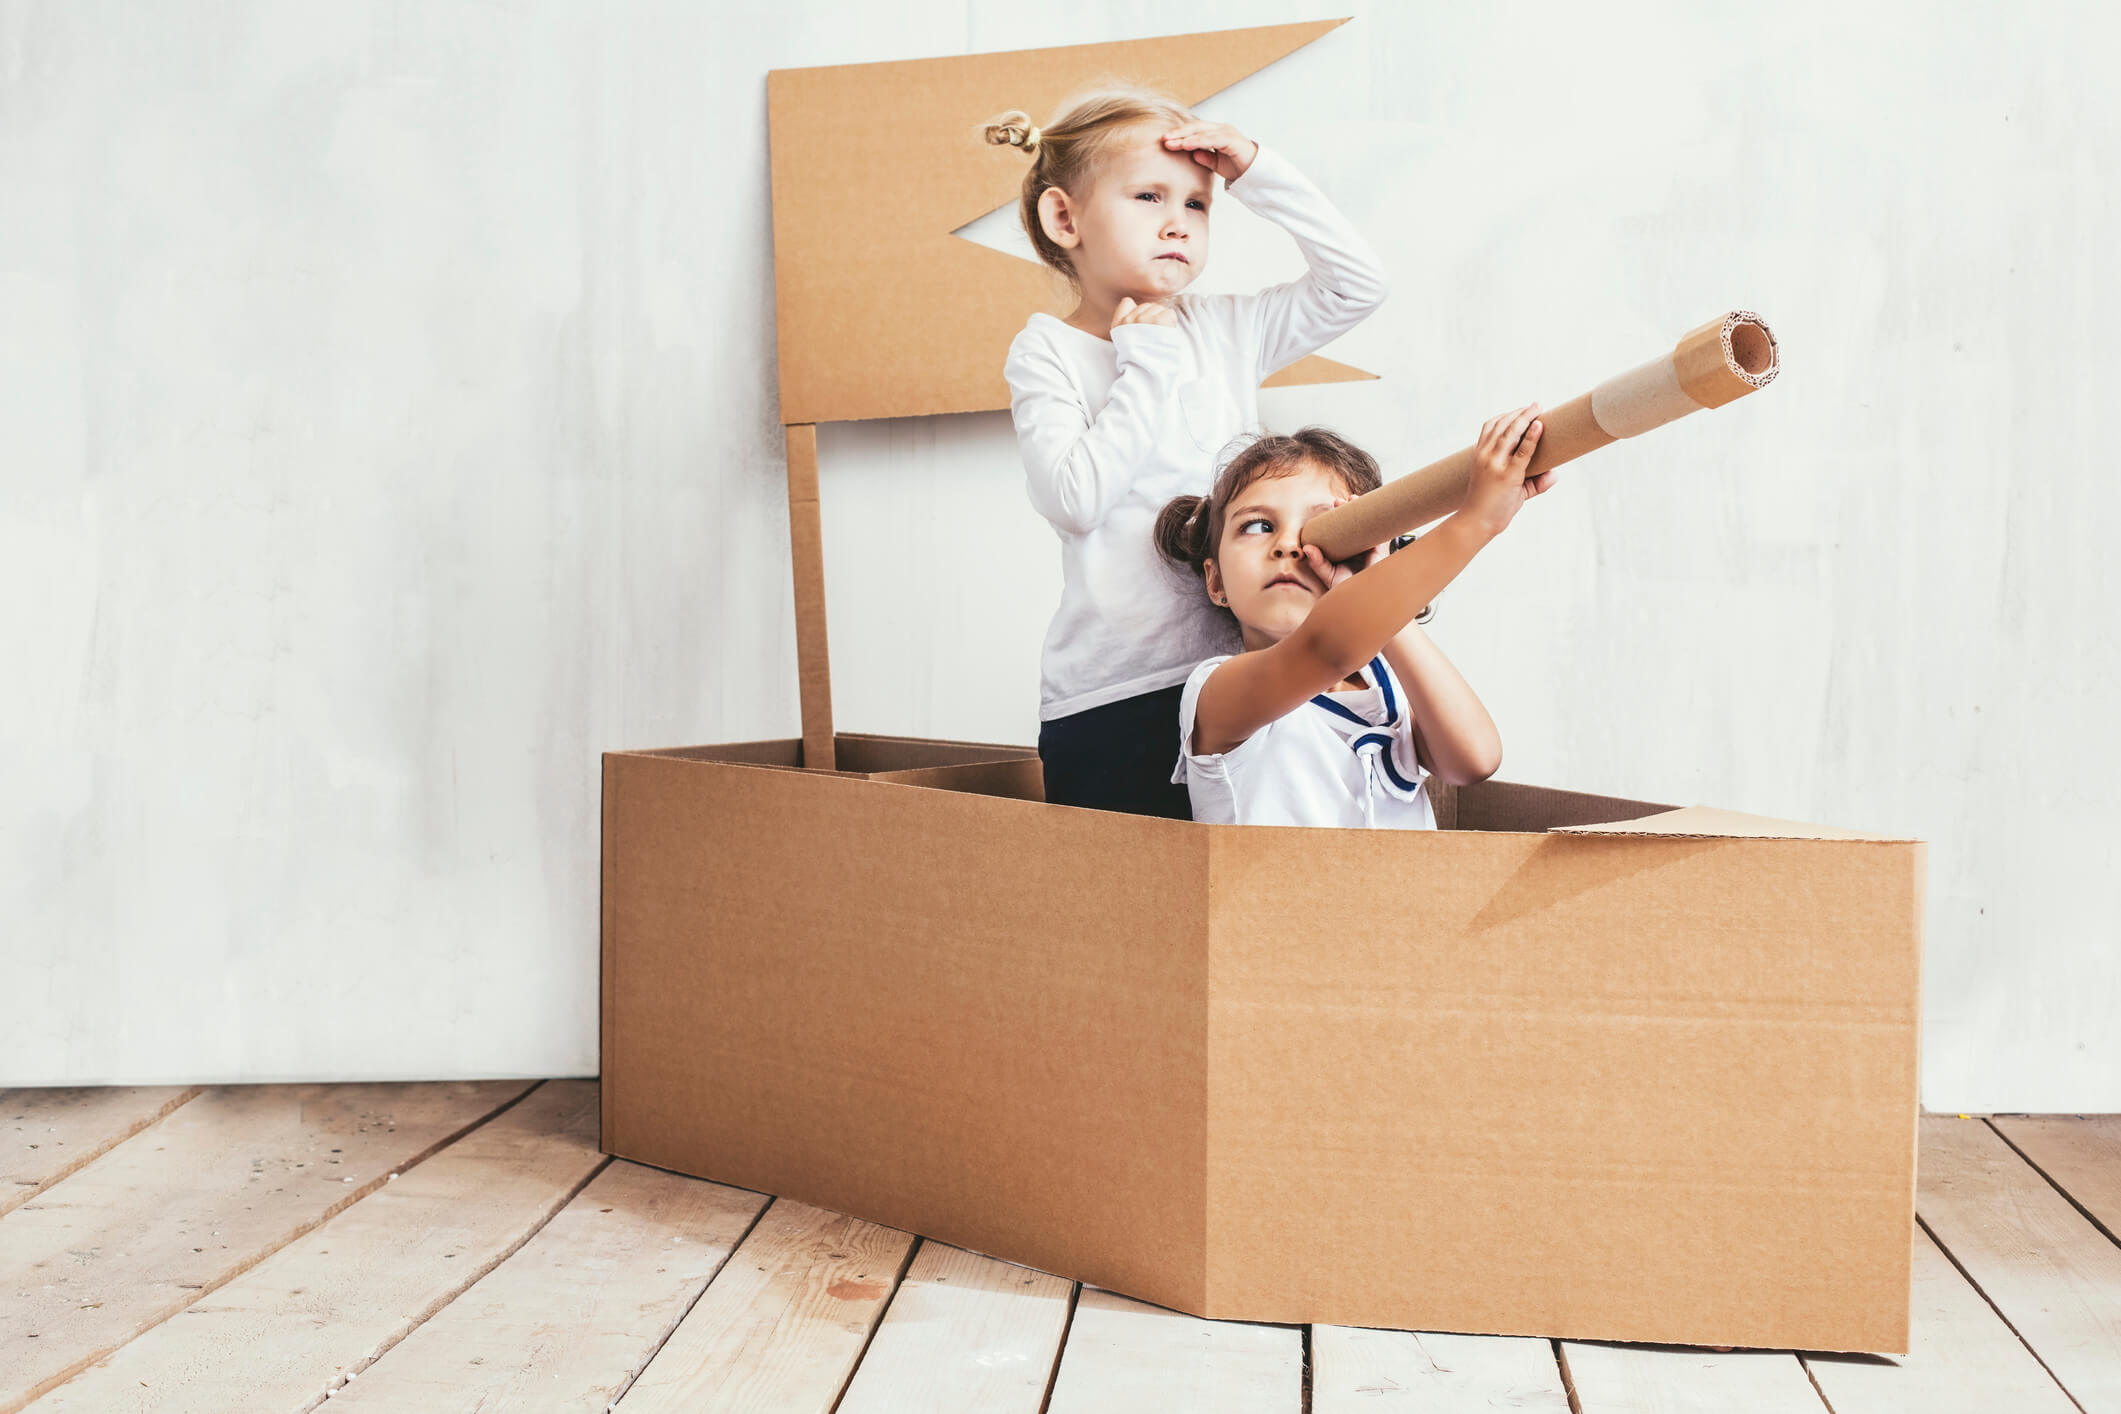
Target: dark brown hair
[(1190, 529), (1066, 151)]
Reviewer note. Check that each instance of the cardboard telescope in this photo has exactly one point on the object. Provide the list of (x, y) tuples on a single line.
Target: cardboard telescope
[(1718, 363)]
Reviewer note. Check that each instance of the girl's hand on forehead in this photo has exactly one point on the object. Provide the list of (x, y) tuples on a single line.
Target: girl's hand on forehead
[(1148, 312), (1219, 147), (1332, 572)]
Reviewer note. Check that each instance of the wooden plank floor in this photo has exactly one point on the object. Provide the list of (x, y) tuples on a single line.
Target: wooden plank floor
[(465, 1247)]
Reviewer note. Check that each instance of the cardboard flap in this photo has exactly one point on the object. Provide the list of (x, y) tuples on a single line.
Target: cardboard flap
[(1707, 822), (1515, 808), (1011, 780)]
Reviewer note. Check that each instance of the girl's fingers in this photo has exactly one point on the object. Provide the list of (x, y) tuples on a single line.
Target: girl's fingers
[(1521, 454), (1518, 424), (1521, 459), (1199, 135)]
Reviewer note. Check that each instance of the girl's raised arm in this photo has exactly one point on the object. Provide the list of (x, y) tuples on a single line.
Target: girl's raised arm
[(1345, 281), (1343, 284), (1357, 618)]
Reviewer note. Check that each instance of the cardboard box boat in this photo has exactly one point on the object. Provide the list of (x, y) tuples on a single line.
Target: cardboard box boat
[(1569, 1066)]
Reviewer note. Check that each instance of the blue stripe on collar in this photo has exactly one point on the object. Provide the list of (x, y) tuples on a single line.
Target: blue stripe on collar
[(1383, 744), (1384, 687), (1339, 711)]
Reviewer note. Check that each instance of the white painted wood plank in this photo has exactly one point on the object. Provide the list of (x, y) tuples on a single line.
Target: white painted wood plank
[(2054, 1277), (2081, 1153), (1963, 1360), (1679, 1379), (47, 1134), (568, 1321), (964, 1332), (1359, 1371), (780, 1328), (282, 1334), (144, 1231), (1125, 1357)]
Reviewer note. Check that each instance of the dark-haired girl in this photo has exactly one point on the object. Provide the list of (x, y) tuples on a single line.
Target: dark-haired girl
[(1339, 708)]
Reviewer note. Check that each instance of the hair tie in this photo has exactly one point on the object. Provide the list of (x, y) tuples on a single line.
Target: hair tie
[(1031, 139)]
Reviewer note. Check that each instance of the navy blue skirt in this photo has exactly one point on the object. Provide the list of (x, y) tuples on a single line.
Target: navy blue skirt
[(1117, 757)]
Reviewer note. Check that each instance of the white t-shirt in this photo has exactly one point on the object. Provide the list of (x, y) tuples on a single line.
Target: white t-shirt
[(1343, 759), (1111, 430)]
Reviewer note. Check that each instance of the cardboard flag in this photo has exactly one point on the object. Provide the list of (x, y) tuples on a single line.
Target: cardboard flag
[(882, 311)]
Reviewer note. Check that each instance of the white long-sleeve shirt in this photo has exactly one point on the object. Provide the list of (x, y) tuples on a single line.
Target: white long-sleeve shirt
[(1112, 430)]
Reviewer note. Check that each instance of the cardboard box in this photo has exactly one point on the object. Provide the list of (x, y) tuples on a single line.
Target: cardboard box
[(1569, 1066)]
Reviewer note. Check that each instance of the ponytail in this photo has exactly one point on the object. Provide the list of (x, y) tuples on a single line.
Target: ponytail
[(1182, 533)]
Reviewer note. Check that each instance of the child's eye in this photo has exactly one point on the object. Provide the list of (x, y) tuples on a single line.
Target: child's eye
[(1145, 196), (1246, 528), (1198, 205)]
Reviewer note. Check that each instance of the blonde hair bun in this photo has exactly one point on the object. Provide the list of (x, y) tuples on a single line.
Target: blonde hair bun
[(1014, 129)]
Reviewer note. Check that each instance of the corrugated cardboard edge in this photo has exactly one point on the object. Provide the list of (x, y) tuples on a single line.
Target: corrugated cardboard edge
[(785, 753), (1708, 822), (607, 956), (1920, 905)]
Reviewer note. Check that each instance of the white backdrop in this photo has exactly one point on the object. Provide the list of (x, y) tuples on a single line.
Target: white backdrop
[(387, 414)]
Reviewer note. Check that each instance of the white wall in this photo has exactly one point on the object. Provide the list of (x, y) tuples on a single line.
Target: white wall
[(386, 399)]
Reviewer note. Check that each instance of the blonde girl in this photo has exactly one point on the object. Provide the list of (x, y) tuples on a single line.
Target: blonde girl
[(1124, 403), (1338, 708)]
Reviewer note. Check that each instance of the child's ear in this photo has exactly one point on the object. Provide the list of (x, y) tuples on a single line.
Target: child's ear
[(1214, 576), (1058, 218)]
